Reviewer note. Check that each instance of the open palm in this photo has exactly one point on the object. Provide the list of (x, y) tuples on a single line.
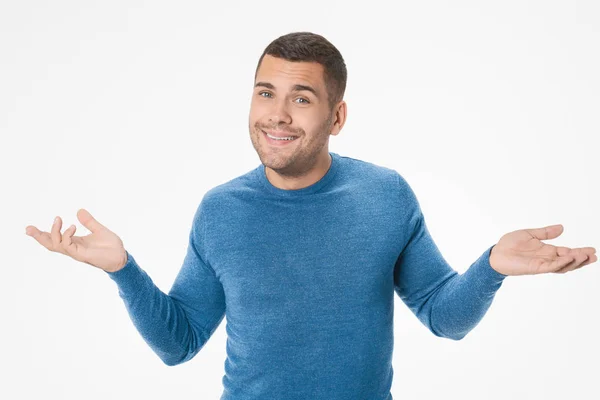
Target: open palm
[(102, 248), (522, 252)]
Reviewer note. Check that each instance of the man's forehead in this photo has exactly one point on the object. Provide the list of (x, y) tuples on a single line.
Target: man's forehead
[(275, 70)]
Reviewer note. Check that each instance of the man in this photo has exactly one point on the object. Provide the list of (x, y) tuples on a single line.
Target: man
[(304, 253)]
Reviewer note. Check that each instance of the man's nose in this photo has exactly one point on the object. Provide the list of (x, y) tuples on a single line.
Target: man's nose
[(279, 113)]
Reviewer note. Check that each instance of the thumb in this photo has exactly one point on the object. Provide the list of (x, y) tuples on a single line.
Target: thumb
[(547, 232), (88, 221)]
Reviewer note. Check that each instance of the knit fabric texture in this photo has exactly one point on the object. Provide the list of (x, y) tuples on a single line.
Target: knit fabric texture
[(306, 279)]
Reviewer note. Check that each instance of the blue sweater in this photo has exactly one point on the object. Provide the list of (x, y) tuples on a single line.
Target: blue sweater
[(306, 279)]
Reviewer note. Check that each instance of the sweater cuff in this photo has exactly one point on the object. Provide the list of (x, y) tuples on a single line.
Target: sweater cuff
[(485, 268), (129, 278)]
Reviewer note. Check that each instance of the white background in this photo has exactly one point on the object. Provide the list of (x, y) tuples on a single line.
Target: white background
[(133, 110)]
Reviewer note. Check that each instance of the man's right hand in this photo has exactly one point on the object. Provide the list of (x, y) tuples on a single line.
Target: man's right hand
[(102, 248)]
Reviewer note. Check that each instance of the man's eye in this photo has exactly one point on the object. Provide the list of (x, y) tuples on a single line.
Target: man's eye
[(261, 94), (306, 101)]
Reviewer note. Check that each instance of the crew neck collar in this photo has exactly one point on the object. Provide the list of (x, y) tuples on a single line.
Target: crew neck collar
[(318, 185)]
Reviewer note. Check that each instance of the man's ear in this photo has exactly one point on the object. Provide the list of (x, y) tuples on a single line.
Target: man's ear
[(339, 118)]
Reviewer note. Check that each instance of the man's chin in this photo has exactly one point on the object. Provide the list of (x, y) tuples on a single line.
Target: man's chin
[(278, 165), (274, 161)]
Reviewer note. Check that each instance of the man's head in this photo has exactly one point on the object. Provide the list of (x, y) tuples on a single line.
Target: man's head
[(299, 85)]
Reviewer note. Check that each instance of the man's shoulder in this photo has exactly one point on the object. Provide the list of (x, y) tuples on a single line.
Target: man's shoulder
[(368, 171), (241, 184), (378, 178), (381, 180)]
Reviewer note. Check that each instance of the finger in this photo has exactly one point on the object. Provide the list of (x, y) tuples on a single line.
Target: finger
[(66, 237), (68, 243), (42, 238), (88, 221), (547, 232), (590, 260), (576, 263), (562, 251), (589, 251), (55, 233), (557, 264)]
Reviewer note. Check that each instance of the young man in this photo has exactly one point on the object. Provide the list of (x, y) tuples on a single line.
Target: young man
[(304, 253)]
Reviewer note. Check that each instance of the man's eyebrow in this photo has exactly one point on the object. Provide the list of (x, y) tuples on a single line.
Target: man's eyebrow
[(295, 88), (265, 84), (298, 88)]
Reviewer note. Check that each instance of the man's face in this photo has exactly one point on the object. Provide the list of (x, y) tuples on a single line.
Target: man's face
[(284, 105)]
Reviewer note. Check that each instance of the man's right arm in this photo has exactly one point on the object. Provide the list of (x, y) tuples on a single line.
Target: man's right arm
[(178, 324)]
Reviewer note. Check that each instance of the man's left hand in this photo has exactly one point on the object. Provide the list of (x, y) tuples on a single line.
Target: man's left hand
[(522, 253)]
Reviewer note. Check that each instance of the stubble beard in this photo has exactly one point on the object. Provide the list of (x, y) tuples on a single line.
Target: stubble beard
[(292, 163)]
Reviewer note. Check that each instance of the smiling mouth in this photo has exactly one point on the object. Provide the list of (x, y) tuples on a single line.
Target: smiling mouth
[(278, 140)]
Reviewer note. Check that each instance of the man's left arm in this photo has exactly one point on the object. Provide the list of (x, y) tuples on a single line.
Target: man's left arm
[(449, 304), (452, 304)]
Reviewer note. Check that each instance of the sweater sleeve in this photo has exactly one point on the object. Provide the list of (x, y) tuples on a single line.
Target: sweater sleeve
[(449, 304), (178, 324)]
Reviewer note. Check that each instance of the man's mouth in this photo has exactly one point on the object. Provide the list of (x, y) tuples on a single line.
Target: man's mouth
[(279, 139)]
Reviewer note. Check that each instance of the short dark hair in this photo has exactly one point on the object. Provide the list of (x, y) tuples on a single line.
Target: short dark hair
[(311, 47)]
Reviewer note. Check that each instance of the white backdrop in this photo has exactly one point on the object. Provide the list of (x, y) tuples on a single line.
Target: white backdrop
[(133, 110)]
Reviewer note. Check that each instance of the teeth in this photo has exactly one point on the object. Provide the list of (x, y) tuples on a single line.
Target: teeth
[(276, 138)]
